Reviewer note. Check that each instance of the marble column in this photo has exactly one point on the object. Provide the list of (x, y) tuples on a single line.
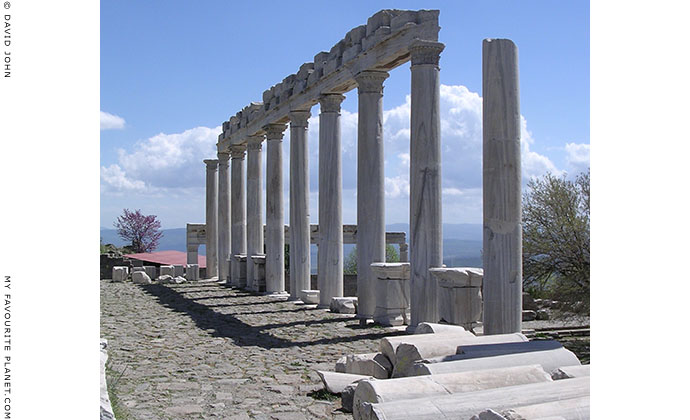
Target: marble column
[(330, 256), (275, 222), (300, 258), (223, 217), (211, 218), (239, 208), (501, 188), (255, 208), (426, 241), (371, 224)]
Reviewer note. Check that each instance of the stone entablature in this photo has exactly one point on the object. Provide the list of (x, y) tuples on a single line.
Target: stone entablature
[(382, 44)]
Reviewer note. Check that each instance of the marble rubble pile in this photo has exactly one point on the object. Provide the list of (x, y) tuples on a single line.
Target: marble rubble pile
[(452, 373)]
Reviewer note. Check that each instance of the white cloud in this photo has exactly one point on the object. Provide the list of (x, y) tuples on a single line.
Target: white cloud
[(163, 162), (577, 157), (111, 122), (533, 164)]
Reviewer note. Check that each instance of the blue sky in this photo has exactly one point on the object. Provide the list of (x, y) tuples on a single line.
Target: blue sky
[(172, 72)]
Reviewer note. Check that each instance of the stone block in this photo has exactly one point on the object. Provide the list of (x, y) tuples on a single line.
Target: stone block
[(543, 315), (151, 271), (529, 315), (340, 364), (167, 270), (120, 273), (314, 76), (238, 270), (402, 18), (351, 52), (305, 70), (431, 328), (178, 270), (192, 273), (370, 364), (392, 290), (179, 280), (356, 35), (389, 345), (259, 282), (335, 382), (568, 372), (165, 279), (320, 60), (343, 305), (381, 18), (528, 302), (137, 269), (140, 277), (310, 297)]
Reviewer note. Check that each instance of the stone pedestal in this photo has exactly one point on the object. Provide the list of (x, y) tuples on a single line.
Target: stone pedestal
[(426, 239), (275, 221), (300, 256), (120, 273), (211, 218), (223, 216), (239, 210), (258, 282), (178, 269), (330, 254), (167, 270), (238, 264), (459, 295), (371, 224), (403, 253), (192, 273), (502, 191), (150, 270), (255, 208), (392, 293), (193, 254), (309, 297)]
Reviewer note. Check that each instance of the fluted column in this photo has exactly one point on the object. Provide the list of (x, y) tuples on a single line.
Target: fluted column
[(330, 256), (426, 240), (300, 258), (275, 222), (211, 218), (501, 188), (239, 208), (255, 208), (223, 217), (371, 225)]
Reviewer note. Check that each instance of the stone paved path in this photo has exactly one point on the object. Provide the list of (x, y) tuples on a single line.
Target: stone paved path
[(202, 350)]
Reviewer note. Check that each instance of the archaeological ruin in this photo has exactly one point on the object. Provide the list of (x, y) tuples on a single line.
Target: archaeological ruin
[(459, 348)]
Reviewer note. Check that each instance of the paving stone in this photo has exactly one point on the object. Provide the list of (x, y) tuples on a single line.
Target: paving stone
[(202, 350)]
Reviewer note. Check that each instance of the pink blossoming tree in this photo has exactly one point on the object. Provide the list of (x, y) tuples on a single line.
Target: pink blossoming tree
[(143, 231)]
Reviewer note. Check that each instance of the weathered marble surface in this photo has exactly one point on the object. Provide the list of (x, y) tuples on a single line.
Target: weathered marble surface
[(335, 382), (238, 218), (224, 228), (140, 277), (392, 293), (330, 254), (568, 409), (310, 297), (238, 264), (275, 232), (471, 403), (178, 270), (371, 364), (342, 305), (167, 270), (502, 181), (192, 272), (255, 208), (459, 295), (548, 359), (389, 345), (407, 354), (568, 372), (151, 271), (120, 273), (436, 385), (431, 328), (106, 407), (371, 223), (426, 240), (211, 218), (259, 271), (300, 255)]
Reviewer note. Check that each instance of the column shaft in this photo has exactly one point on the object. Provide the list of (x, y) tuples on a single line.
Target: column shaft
[(275, 222), (239, 209), (330, 256), (255, 234), (426, 246), (211, 218), (501, 188), (223, 217), (371, 225), (300, 256)]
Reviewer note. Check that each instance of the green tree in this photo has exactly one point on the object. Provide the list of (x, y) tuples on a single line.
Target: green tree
[(555, 241), (350, 263)]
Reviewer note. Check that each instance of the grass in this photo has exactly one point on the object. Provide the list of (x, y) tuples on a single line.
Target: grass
[(323, 395), (112, 379)]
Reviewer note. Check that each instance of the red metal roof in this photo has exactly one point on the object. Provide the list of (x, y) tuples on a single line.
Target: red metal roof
[(166, 258)]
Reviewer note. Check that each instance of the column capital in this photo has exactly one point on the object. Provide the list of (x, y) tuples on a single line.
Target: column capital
[(330, 102), (371, 81), (274, 131), (223, 157), (255, 142), (299, 118), (211, 163), (425, 52), (237, 151)]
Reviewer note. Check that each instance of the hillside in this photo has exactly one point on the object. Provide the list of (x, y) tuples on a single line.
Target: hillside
[(462, 243)]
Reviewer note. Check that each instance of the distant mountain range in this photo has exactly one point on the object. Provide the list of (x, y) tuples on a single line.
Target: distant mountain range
[(462, 243)]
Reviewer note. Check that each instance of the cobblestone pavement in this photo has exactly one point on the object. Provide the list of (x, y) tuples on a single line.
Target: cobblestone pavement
[(202, 350)]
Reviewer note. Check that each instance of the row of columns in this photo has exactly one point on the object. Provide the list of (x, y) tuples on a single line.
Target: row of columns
[(501, 193)]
